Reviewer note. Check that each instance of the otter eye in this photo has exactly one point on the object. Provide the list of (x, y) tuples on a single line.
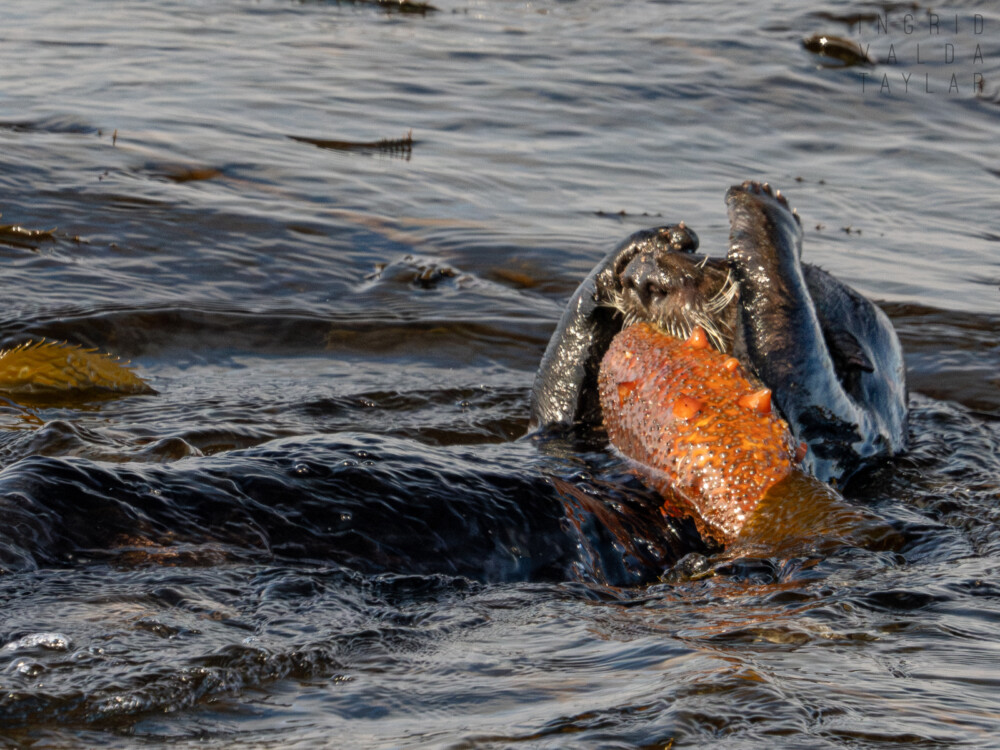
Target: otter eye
[(680, 238)]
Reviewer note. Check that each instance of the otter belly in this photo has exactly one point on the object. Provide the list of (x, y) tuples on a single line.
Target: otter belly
[(694, 427)]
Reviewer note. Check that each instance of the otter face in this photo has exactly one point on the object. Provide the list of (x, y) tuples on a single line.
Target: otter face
[(660, 279)]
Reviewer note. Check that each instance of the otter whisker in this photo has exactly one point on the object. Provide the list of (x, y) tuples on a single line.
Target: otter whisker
[(724, 296), (711, 329), (675, 297), (679, 327)]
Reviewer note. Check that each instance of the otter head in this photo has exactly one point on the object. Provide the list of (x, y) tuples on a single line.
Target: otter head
[(660, 279)]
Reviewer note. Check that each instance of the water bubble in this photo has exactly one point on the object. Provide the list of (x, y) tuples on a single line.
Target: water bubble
[(48, 641), (28, 668)]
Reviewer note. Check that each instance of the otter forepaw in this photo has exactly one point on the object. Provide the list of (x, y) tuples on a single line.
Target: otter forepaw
[(763, 228), (763, 192), (680, 238)]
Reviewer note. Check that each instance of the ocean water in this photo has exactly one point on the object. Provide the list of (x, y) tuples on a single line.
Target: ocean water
[(335, 237)]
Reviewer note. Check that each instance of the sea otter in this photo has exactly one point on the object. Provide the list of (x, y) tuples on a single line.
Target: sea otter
[(830, 358)]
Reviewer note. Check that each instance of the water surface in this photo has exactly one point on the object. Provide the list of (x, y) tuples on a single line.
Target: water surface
[(323, 530)]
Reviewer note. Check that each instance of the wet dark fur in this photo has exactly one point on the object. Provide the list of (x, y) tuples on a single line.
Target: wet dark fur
[(565, 389), (676, 290), (830, 356)]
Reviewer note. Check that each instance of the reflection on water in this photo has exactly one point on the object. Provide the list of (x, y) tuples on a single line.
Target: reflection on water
[(323, 529)]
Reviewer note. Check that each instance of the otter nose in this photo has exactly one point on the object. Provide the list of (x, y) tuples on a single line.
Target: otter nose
[(646, 280)]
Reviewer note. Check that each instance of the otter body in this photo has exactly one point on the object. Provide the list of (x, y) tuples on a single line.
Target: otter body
[(830, 356)]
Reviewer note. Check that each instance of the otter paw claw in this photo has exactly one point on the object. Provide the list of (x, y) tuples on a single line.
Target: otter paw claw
[(763, 190)]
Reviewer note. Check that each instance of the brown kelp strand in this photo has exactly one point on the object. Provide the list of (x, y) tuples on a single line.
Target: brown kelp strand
[(393, 146), (837, 48), (18, 236), (44, 367)]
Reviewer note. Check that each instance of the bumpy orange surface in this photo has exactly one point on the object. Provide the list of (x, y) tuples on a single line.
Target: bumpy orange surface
[(694, 426)]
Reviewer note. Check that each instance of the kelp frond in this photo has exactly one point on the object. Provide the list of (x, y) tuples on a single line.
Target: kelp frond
[(56, 366)]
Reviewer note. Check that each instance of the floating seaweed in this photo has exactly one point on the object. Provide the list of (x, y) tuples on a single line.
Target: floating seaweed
[(18, 236), (846, 51), (405, 6), (394, 6), (622, 214), (54, 124), (181, 173), (401, 147), (49, 367)]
